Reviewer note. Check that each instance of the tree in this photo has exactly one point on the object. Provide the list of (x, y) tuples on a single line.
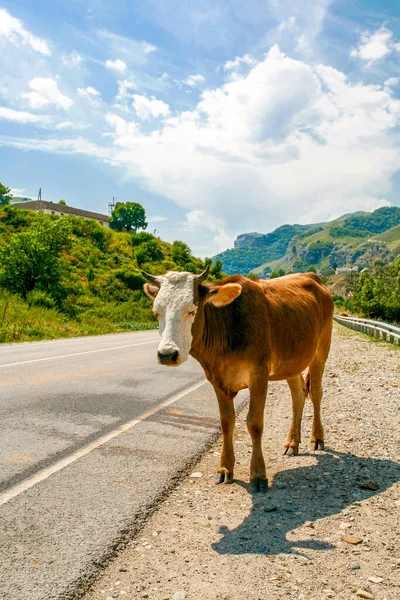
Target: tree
[(148, 252), (5, 195), (128, 215), (62, 202), (180, 253), (217, 269), (278, 273), (31, 259)]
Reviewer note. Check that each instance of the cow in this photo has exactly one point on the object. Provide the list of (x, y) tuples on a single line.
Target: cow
[(245, 333)]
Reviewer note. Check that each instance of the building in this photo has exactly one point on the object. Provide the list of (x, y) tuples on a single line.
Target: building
[(346, 270), (50, 208)]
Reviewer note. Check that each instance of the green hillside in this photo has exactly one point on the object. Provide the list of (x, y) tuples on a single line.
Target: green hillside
[(357, 239), (260, 248), (66, 276), (391, 237)]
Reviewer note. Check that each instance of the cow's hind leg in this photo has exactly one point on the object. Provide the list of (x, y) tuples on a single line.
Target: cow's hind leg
[(316, 371), (299, 393), (255, 425), (227, 417)]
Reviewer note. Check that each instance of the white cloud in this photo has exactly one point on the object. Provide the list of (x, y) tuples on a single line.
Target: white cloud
[(375, 46), (20, 116), (130, 49), (21, 192), (116, 65), (71, 125), (287, 24), (300, 24), (62, 146), (124, 95), (73, 60), (392, 82), (194, 80), (13, 32), (285, 142), (147, 108), (45, 91), (157, 219), (90, 94), (234, 65)]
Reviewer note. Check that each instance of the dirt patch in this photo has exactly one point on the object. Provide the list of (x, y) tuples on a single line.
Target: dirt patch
[(328, 526)]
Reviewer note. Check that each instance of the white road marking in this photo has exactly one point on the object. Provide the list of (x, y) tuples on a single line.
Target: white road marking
[(43, 474), (25, 362)]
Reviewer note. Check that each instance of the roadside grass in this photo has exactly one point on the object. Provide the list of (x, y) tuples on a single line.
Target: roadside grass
[(346, 332), (20, 322)]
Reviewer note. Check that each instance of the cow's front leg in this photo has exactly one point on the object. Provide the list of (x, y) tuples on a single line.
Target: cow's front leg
[(255, 425), (227, 417), (298, 391)]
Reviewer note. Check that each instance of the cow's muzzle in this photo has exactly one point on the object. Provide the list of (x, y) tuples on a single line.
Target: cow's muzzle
[(170, 359)]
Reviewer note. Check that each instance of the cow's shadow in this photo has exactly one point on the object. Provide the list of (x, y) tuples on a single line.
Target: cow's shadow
[(302, 496)]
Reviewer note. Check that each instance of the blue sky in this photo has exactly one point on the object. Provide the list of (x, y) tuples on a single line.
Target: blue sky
[(220, 117)]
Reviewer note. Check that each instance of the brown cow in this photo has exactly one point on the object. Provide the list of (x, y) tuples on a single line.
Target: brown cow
[(245, 333)]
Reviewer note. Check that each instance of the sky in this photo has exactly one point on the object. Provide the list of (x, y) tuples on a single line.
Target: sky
[(220, 117)]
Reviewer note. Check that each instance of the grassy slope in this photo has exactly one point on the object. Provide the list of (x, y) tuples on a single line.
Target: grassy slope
[(102, 282), (391, 237)]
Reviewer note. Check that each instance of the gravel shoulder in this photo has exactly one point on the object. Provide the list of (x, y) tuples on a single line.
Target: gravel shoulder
[(328, 526)]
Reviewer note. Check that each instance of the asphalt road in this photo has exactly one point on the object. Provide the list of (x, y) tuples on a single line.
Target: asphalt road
[(93, 434)]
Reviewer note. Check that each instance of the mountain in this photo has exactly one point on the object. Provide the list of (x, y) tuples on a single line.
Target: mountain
[(355, 239)]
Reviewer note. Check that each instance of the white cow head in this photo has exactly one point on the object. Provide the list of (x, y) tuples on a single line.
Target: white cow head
[(176, 301)]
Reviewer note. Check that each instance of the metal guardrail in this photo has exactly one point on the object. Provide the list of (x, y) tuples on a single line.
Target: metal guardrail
[(390, 333)]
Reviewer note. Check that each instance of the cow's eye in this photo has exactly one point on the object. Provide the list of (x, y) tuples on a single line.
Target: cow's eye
[(191, 313)]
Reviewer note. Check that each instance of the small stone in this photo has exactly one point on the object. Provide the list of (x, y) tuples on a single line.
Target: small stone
[(369, 485), (397, 502), (270, 507), (354, 567), (364, 594), (374, 579), (196, 475), (351, 539), (309, 524), (344, 525), (282, 485), (181, 595)]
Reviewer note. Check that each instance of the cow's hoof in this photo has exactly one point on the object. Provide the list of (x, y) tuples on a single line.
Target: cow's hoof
[(290, 451), (223, 477), (318, 445), (259, 485)]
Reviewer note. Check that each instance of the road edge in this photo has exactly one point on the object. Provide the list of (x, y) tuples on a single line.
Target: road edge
[(83, 585)]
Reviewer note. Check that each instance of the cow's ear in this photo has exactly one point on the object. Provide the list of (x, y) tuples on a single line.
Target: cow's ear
[(222, 295), (151, 290)]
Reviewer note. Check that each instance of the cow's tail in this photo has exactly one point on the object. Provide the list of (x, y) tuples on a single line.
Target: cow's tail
[(308, 383)]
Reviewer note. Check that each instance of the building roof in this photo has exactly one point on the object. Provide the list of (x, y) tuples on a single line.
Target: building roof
[(44, 204)]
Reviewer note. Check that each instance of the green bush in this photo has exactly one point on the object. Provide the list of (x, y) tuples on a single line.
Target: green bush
[(132, 279), (40, 298)]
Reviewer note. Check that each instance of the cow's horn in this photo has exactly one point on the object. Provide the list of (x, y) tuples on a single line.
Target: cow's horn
[(202, 275), (157, 280)]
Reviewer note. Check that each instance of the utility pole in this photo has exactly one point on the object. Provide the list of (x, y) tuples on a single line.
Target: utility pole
[(40, 199), (111, 205)]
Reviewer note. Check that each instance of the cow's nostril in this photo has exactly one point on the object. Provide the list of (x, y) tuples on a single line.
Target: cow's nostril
[(167, 359)]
